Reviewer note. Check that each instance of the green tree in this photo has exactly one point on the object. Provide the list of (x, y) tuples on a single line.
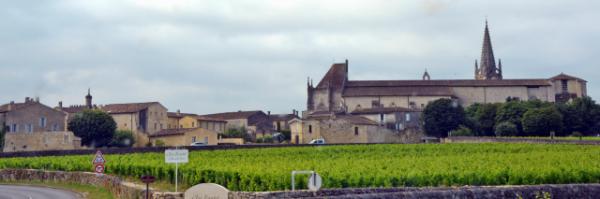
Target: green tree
[(588, 111), (442, 116), (541, 121), (506, 129), (572, 120), (462, 131), (122, 138), (485, 117), (95, 128), (512, 112)]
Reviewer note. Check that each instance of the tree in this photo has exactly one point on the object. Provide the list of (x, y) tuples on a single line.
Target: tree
[(572, 120), (122, 138), (512, 112), (462, 131), (541, 121), (442, 116), (95, 128), (506, 129), (588, 111), (485, 117)]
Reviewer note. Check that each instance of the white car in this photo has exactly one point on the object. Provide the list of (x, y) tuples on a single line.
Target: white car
[(317, 141), (198, 144)]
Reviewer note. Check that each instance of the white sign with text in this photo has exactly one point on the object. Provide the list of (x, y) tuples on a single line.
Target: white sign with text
[(176, 156)]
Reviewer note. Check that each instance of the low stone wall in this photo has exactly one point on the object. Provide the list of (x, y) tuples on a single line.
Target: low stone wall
[(119, 188), (473, 139), (580, 191)]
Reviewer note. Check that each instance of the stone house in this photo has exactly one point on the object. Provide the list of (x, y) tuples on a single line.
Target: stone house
[(32, 125), (568, 87), (256, 123), (184, 136), (281, 121), (143, 119), (189, 120)]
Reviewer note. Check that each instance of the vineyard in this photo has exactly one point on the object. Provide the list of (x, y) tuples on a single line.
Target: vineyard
[(355, 165)]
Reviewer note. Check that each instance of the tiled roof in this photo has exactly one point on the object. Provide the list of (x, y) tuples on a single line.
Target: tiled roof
[(232, 115), (358, 120), (562, 76), (4, 107), (336, 76), (204, 118), (451, 83), (180, 115), (172, 132), (383, 110), (74, 109), (397, 91), (127, 108), (282, 117)]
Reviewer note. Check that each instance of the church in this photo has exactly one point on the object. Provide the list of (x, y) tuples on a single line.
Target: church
[(340, 110)]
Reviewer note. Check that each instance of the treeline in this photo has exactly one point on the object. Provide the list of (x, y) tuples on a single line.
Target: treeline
[(578, 117)]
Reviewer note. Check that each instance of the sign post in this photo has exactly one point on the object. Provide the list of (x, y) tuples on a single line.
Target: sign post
[(176, 156), (147, 179), (98, 163), (314, 182)]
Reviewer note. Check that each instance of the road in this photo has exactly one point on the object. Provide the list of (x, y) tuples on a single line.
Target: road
[(33, 192)]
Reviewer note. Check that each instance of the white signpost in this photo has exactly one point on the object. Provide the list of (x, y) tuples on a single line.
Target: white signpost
[(176, 156), (314, 182)]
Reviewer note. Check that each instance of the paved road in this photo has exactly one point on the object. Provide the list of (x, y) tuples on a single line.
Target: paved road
[(32, 192)]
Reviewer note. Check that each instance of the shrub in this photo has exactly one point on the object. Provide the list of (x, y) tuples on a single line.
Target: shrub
[(462, 131), (123, 138), (506, 129), (541, 121), (159, 143), (442, 116)]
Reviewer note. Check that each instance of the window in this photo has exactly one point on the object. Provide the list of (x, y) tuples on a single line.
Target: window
[(278, 126), (55, 127), (155, 126), (356, 130), (407, 116), (193, 139), (206, 140), (564, 84), (161, 126), (29, 128), (375, 103), (309, 128), (14, 128), (193, 124), (381, 118), (42, 122), (412, 104)]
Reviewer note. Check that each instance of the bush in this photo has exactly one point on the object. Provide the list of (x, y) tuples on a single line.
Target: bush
[(95, 128), (265, 139), (159, 143), (442, 116), (541, 121), (506, 129), (462, 131), (482, 118), (123, 138)]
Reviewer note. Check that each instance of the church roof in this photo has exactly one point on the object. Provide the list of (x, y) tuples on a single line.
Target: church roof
[(354, 91), (450, 83), (487, 62), (336, 76), (562, 76), (379, 110), (233, 115)]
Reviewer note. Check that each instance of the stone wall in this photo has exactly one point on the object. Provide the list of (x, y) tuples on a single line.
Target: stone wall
[(120, 189), (580, 191), (40, 141), (469, 139)]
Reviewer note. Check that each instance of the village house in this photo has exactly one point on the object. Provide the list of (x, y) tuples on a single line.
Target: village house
[(184, 137), (143, 119), (281, 122), (189, 120), (33, 126), (256, 123), (395, 106)]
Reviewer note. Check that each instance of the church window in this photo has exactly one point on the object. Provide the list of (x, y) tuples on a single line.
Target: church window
[(309, 128), (564, 85), (355, 130)]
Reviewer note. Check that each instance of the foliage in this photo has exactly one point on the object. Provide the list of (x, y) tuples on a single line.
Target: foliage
[(265, 139), (462, 131), (235, 133), (384, 165), (95, 128), (122, 138), (541, 121), (2, 139), (442, 116), (483, 117), (589, 112), (512, 112), (506, 129), (159, 143)]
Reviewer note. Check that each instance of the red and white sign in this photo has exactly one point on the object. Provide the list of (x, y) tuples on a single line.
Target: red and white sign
[(99, 159), (99, 168)]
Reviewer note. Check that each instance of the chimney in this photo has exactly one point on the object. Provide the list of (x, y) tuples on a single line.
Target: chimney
[(60, 104), (11, 105), (26, 99), (178, 112), (269, 113), (37, 99)]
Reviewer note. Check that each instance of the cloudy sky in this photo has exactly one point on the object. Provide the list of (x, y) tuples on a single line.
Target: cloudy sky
[(223, 55)]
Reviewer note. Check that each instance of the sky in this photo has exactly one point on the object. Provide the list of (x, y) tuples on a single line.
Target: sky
[(223, 55)]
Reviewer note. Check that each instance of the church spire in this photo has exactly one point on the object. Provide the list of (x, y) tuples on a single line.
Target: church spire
[(487, 63)]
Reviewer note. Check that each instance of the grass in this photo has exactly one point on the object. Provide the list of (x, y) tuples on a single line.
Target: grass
[(87, 191), (589, 138)]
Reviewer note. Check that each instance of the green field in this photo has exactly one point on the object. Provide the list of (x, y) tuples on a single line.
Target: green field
[(383, 165)]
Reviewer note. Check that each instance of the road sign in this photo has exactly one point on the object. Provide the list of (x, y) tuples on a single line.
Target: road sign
[(176, 155), (314, 182), (99, 168), (147, 179), (99, 159)]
